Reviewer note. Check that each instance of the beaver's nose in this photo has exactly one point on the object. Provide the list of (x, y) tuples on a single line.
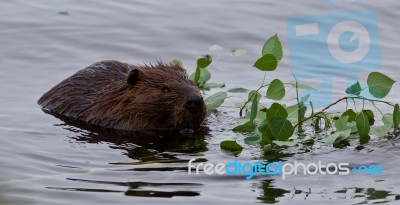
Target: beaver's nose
[(194, 103)]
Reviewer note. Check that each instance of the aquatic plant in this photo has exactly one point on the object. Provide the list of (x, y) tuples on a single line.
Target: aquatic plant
[(284, 125)]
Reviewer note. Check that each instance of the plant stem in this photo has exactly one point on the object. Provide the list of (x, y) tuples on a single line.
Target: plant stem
[(376, 108), (265, 74), (339, 100), (248, 100), (299, 114)]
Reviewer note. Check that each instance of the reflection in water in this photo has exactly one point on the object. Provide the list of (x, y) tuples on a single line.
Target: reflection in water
[(137, 188), (160, 193), (373, 194), (147, 148), (271, 194), (369, 194), (273, 154), (152, 148)]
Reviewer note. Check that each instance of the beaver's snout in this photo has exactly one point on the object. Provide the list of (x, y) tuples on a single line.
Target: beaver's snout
[(195, 103)]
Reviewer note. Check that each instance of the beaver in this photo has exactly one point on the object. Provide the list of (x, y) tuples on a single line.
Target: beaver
[(116, 95)]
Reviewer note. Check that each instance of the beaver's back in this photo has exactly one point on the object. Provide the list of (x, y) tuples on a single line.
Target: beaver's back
[(116, 95), (76, 94)]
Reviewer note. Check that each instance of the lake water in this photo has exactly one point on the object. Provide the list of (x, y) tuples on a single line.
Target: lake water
[(44, 161)]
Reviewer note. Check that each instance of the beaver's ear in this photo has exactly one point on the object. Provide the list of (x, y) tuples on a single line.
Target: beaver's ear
[(133, 77)]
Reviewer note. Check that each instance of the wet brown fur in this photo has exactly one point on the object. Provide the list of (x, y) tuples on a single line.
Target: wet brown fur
[(100, 95)]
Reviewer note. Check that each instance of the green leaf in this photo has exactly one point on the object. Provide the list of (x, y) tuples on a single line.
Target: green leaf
[(246, 127), (204, 61), (255, 98), (276, 90), (200, 77), (292, 113), (387, 119), (215, 48), (312, 110), (363, 126), (239, 52), (380, 130), (355, 89), (302, 86), (370, 116), (252, 140), (231, 145), (341, 123), (379, 84), (336, 137), (273, 46), (303, 110), (396, 116), (177, 62), (276, 110), (215, 100), (285, 143), (238, 90), (259, 118), (317, 122), (251, 94), (265, 129), (266, 63), (196, 76), (351, 114), (281, 128), (353, 126), (205, 76), (213, 85), (304, 99)]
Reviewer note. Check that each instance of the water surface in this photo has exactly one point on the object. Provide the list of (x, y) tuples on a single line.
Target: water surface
[(45, 161)]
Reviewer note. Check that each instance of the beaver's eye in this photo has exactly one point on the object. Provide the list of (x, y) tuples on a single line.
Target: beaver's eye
[(165, 89)]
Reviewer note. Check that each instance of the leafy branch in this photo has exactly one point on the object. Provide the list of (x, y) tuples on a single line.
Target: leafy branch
[(277, 122), (340, 100)]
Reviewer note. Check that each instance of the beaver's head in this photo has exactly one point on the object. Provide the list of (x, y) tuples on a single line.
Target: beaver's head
[(165, 97)]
